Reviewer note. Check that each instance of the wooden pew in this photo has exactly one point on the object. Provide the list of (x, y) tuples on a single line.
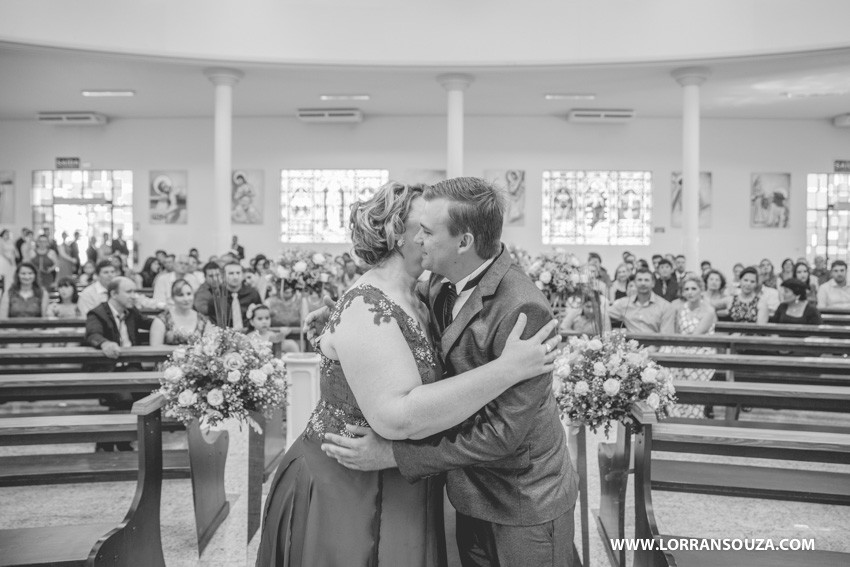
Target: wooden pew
[(57, 335), (40, 323), (17, 360), (135, 542), (830, 331), (739, 442)]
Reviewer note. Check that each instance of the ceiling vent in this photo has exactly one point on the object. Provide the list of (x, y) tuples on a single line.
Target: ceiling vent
[(601, 115), (330, 115), (72, 118), (841, 121)]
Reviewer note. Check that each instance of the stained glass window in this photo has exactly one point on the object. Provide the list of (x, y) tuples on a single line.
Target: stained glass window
[(316, 203), (597, 207), (828, 215)]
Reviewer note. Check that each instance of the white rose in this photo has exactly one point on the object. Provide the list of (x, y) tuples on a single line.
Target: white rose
[(649, 375), (599, 369), (186, 398), (539, 285), (215, 397), (234, 361), (545, 277), (594, 344), (623, 372), (611, 386), (267, 368), (258, 377), (562, 371), (233, 376), (581, 388), (318, 258), (173, 374), (300, 267), (324, 278), (575, 279), (179, 354), (278, 364), (653, 400), (282, 272), (574, 262), (280, 383), (209, 349)]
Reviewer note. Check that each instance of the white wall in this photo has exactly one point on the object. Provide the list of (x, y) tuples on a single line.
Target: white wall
[(731, 150)]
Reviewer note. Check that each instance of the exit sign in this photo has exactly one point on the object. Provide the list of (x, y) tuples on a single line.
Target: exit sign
[(67, 163), (841, 166)]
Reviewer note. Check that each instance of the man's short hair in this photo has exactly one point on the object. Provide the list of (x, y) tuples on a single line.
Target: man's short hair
[(101, 265), (657, 257), (211, 266), (594, 255), (476, 207), (158, 252), (682, 256), (237, 264), (839, 263), (115, 284), (664, 262), (644, 271)]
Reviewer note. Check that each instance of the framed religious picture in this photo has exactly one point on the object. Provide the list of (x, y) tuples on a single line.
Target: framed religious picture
[(168, 197), (247, 196), (513, 183), (704, 199), (769, 193), (7, 197)]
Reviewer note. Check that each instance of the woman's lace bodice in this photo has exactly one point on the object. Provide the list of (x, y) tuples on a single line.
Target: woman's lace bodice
[(337, 405)]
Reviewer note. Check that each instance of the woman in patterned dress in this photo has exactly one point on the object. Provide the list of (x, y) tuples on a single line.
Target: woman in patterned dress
[(379, 367), (748, 306), (694, 316), (177, 324)]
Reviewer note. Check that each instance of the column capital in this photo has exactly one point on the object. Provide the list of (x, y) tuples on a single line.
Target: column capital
[(455, 81), (687, 76), (223, 75)]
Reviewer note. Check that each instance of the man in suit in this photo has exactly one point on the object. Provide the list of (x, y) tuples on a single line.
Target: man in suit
[(509, 475), (237, 298), (111, 326), (96, 292), (237, 249)]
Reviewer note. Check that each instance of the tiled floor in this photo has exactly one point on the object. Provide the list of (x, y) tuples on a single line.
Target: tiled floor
[(680, 513)]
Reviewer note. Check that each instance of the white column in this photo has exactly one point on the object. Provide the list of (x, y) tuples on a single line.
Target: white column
[(691, 78), (454, 84), (302, 371), (223, 80)]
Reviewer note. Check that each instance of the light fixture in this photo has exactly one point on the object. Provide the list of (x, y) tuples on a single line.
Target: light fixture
[(108, 93), (811, 94), (331, 97), (570, 96)]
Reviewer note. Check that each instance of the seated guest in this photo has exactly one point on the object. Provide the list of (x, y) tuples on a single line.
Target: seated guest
[(820, 270), (787, 270), (583, 319), (835, 293), (96, 293), (112, 326), (194, 269), (349, 276), (656, 258), (736, 278), (164, 281), (596, 260), (666, 286), (766, 276), (680, 272), (260, 320), (212, 277), (149, 272), (621, 283), (715, 293), (286, 309), (704, 267), (646, 312), (694, 316), (179, 322), (749, 304), (86, 274), (802, 273), (25, 297), (237, 296), (66, 307), (795, 308)]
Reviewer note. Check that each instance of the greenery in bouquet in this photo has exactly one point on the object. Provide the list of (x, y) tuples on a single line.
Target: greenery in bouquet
[(309, 270), (558, 275), (598, 380), (223, 374)]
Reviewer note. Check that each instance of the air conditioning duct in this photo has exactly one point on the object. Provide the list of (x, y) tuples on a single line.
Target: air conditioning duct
[(601, 115), (72, 118), (841, 121), (330, 115)]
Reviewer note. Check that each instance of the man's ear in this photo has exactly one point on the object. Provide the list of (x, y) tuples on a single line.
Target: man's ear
[(467, 243)]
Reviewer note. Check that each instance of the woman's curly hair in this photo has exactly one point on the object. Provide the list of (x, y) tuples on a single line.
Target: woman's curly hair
[(377, 224)]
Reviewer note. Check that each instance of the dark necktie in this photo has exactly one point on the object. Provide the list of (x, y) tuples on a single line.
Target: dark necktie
[(448, 297)]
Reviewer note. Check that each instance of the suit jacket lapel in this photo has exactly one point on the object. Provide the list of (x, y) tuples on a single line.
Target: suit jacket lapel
[(113, 325), (485, 288)]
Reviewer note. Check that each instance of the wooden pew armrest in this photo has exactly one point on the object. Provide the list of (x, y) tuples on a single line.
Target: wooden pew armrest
[(149, 404), (641, 413)]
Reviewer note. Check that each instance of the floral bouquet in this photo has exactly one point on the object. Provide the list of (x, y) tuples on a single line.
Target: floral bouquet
[(223, 374), (521, 257), (307, 269), (598, 380), (558, 276)]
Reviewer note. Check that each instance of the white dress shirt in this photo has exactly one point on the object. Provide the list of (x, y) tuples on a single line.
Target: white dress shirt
[(91, 297), (463, 295)]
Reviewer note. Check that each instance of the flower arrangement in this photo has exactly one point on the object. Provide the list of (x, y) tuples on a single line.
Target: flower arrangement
[(558, 276), (309, 270), (223, 374), (521, 257), (599, 379)]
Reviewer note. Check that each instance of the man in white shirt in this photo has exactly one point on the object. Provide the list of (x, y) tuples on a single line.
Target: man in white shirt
[(96, 293), (162, 284), (835, 293)]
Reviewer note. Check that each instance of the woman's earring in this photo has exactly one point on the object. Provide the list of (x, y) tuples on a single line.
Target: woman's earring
[(401, 242)]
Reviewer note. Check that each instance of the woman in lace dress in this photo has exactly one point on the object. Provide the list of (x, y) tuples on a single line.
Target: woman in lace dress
[(177, 324), (694, 316), (379, 367)]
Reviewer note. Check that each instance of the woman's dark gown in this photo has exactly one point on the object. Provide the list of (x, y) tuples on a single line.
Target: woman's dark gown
[(319, 513)]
